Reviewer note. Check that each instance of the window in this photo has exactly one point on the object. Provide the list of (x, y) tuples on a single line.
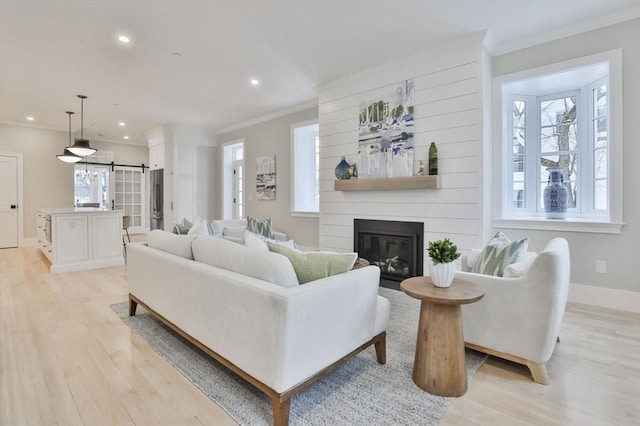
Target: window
[(238, 193), (91, 184), (561, 116), (305, 158)]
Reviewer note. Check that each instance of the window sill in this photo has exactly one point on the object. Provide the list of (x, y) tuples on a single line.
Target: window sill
[(569, 225), (314, 215)]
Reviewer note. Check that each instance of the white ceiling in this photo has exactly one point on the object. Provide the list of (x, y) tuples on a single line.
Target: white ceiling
[(50, 51)]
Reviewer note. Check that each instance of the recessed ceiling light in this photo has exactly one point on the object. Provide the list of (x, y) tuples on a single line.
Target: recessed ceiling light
[(124, 38), (122, 124), (126, 137), (30, 118), (254, 82)]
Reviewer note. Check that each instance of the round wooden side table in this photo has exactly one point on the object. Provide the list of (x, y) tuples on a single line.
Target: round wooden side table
[(439, 365)]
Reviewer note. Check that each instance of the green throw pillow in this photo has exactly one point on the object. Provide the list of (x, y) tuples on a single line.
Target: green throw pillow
[(498, 254), (260, 227), (311, 266)]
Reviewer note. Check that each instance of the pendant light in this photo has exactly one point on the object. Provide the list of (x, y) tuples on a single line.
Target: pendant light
[(81, 146), (68, 156)]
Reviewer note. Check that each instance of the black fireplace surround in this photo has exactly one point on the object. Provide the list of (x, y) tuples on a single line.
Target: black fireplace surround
[(396, 247)]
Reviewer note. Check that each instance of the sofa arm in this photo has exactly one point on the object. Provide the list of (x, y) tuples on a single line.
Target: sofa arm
[(327, 319)]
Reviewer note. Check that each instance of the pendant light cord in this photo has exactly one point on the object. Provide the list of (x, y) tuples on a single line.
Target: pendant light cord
[(70, 112), (82, 98)]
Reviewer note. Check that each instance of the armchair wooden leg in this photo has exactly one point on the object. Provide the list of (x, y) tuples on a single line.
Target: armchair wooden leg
[(132, 307), (281, 409), (538, 372), (381, 349)]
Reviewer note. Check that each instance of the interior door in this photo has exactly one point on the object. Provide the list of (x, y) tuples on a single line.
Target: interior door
[(8, 201), (127, 194)]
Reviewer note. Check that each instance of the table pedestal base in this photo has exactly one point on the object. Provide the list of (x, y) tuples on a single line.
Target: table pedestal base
[(439, 367)]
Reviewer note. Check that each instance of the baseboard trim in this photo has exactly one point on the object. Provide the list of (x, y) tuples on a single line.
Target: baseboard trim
[(605, 297), (28, 242)]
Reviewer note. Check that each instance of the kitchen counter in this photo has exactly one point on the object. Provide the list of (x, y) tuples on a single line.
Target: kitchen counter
[(75, 239), (75, 210)]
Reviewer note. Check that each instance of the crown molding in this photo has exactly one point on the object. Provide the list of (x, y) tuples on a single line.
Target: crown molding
[(567, 31), (268, 117)]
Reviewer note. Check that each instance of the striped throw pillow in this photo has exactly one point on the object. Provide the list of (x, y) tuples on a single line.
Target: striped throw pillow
[(260, 227), (498, 254)]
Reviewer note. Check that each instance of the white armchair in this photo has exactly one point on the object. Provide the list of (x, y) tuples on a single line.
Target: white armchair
[(518, 319)]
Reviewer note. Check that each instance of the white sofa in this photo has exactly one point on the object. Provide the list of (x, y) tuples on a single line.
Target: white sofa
[(244, 307), (519, 318)]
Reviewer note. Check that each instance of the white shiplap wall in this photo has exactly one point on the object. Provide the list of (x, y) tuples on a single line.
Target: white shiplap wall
[(449, 84)]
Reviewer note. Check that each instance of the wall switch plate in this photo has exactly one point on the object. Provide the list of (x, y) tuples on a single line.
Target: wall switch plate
[(601, 266)]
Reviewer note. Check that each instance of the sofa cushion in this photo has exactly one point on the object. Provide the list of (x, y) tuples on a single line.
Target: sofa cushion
[(179, 245), (260, 226), (263, 265), (498, 253), (218, 225), (313, 265), (260, 242), (235, 232)]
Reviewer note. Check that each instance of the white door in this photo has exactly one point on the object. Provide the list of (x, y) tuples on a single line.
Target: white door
[(8, 201)]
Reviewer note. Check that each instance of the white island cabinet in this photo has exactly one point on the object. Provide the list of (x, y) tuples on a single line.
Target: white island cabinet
[(75, 239)]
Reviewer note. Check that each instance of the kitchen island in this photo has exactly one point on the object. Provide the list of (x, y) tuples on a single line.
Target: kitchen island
[(75, 239)]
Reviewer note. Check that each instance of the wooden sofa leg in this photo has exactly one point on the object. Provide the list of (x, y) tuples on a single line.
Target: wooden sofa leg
[(538, 372), (381, 349), (132, 307), (281, 409)]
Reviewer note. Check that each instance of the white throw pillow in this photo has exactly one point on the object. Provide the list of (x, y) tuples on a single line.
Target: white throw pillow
[(200, 227), (472, 257), (234, 232), (520, 268), (219, 224), (179, 245), (266, 266)]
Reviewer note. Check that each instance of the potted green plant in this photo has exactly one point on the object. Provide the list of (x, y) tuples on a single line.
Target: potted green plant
[(443, 254)]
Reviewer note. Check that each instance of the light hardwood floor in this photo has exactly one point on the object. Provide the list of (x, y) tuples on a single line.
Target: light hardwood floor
[(67, 359)]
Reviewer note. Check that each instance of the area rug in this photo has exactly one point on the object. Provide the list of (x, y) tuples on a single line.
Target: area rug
[(357, 393)]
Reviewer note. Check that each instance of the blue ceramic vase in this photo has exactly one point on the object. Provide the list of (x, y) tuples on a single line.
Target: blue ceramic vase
[(555, 195), (342, 170)]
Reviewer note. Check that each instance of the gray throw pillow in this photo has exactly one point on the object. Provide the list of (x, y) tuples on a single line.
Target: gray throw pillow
[(260, 227)]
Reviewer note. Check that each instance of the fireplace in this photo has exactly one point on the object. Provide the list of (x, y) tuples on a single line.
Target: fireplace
[(396, 247)]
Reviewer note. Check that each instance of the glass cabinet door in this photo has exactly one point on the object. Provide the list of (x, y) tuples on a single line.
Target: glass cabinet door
[(128, 196)]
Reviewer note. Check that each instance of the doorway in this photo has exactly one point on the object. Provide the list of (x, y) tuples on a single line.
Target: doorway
[(233, 180), (10, 200)]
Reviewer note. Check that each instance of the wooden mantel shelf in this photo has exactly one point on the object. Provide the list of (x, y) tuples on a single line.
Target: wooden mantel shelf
[(410, 182)]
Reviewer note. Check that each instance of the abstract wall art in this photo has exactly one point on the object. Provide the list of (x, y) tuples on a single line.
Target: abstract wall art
[(266, 178), (385, 137)]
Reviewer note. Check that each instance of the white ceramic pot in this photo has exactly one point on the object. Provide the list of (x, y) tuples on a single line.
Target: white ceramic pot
[(442, 274)]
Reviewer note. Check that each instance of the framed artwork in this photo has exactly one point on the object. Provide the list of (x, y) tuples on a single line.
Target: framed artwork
[(385, 136), (266, 178)]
